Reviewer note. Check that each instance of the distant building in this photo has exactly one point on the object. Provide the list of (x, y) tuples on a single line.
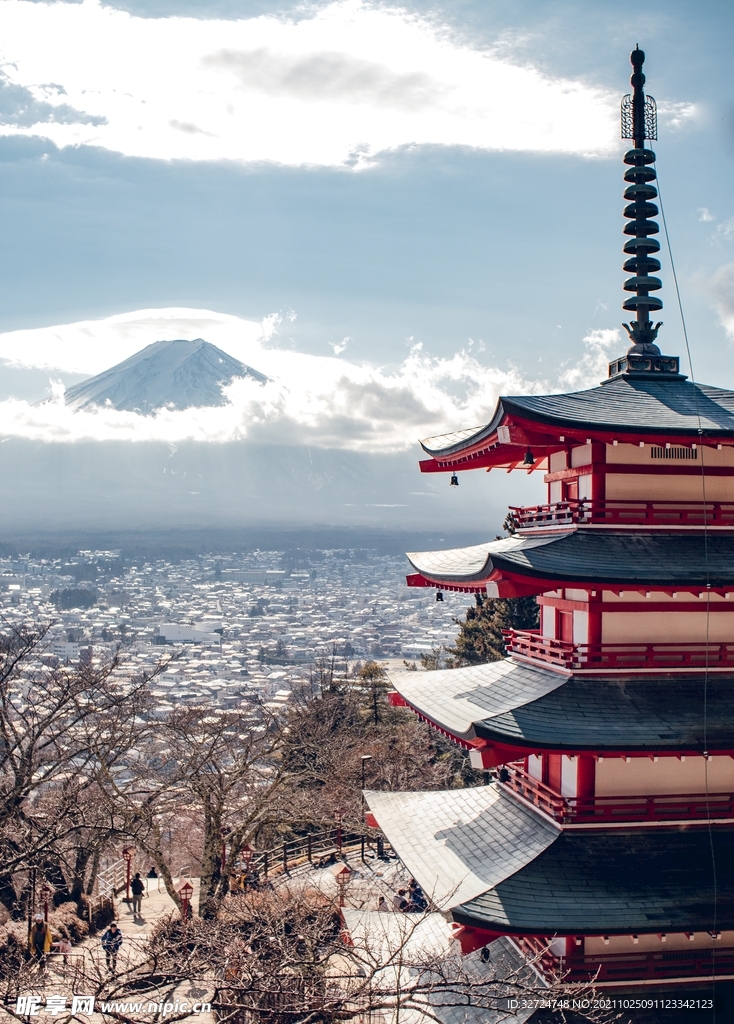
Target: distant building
[(173, 633)]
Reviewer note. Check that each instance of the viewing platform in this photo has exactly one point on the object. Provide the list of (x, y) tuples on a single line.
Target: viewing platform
[(607, 810), (666, 656), (675, 515)]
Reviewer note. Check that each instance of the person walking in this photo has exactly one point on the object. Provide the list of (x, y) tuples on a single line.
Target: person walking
[(39, 939), (111, 942), (137, 887), (63, 946)]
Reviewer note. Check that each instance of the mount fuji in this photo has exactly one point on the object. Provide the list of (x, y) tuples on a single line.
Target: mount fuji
[(167, 374)]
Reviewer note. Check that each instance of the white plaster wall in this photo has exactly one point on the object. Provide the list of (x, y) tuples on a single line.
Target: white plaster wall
[(568, 775), (581, 456), (632, 453), (580, 627), (674, 627), (535, 767), (555, 492), (653, 943), (668, 487), (585, 486), (641, 776), (548, 620), (558, 462)]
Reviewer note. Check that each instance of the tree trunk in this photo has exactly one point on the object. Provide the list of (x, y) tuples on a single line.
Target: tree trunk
[(211, 864), (93, 872), (8, 895)]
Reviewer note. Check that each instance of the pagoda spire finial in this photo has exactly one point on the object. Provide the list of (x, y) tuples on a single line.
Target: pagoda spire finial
[(639, 122)]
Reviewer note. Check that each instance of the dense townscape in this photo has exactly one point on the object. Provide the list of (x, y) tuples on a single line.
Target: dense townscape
[(251, 622)]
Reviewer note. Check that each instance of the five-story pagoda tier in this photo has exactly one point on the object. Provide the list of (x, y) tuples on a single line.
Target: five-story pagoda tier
[(607, 844)]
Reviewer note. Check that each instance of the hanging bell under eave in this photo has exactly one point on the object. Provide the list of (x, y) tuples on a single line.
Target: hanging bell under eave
[(529, 459), (454, 481), (439, 595)]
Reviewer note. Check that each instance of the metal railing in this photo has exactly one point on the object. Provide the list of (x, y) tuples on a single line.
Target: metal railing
[(532, 644), (111, 879), (623, 512), (610, 967), (317, 847), (606, 809)]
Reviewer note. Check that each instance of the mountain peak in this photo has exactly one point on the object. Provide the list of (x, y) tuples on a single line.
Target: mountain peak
[(167, 374)]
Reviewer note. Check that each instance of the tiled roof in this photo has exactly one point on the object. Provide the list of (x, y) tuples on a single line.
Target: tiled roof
[(512, 703), (460, 843), (457, 698), (636, 880), (589, 556), (401, 947), (635, 713), (639, 406)]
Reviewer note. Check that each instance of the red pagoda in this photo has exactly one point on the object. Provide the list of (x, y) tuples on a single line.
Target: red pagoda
[(606, 844)]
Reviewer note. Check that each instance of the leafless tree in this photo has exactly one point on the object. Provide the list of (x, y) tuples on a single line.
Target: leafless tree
[(222, 771), (51, 728)]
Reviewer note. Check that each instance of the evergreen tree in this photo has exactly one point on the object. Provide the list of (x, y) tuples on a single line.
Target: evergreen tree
[(480, 636)]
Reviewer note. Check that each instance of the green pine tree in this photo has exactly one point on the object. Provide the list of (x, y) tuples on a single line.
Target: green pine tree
[(480, 636)]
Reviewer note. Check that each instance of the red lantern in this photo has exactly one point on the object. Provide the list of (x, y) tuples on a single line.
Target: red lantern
[(185, 892)]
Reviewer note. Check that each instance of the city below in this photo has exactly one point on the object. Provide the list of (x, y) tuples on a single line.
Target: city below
[(250, 623)]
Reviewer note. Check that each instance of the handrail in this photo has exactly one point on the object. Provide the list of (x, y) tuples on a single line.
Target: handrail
[(112, 879), (629, 966), (624, 512), (293, 852), (605, 809), (598, 657)]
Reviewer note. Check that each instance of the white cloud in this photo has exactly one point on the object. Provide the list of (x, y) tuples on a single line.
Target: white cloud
[(600, 346), (316, 400), (721, 287), (333, 89), (705, 215), (91, 346)]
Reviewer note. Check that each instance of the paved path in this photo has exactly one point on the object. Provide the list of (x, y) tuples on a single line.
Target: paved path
[(369, 879), (86, 965)]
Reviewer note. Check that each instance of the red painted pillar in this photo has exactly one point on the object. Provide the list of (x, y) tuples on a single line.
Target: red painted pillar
[(594, 637), (585, 777)]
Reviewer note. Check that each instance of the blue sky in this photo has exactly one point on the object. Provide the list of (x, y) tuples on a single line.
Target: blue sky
[(479, 213)]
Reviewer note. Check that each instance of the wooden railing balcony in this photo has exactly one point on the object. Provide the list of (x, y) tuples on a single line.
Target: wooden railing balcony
[(529, 643), (671, 514), (609, 968), (603, 810)]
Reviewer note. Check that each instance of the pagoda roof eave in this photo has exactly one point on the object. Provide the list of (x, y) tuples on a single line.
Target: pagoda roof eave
[(517, 709), (621, 409), (500, 866), (618, 881), (581, 558), (460, 843)]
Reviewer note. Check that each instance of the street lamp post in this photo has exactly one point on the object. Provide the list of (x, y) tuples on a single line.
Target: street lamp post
[(247, 853), (185, 892), (127, 855), (45, 896), (365, 758), (338, 815)]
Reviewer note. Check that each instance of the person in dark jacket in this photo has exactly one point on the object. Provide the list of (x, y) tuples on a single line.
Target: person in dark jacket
[(137, 887), (111, 942)]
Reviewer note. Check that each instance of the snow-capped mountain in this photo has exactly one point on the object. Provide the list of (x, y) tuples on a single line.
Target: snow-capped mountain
[(166, 374)]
